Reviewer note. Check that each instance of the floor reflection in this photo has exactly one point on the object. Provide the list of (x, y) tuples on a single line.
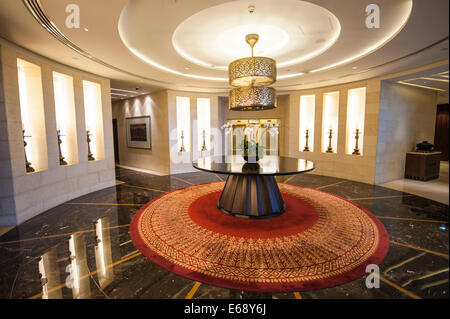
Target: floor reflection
[(66, 265)]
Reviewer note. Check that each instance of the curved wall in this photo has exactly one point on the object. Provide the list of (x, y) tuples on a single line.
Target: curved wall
[(24, 195)]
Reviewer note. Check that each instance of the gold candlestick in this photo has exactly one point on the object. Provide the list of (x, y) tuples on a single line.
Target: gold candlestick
[(306, 149), (62, 162), (330, 148), (90, 155), (356, 150), (28, 167), (182, 149), (204, 141)]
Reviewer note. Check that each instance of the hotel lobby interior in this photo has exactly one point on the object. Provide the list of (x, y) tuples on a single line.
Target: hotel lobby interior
[(227, 149)]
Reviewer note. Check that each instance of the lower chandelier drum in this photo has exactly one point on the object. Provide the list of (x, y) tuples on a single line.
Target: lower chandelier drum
[(252, 98)]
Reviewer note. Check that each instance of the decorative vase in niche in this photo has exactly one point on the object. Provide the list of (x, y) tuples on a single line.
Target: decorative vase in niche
[(424, 147)]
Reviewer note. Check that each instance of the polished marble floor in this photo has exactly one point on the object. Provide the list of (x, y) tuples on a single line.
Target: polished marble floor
[(435, 189), (86, 242)]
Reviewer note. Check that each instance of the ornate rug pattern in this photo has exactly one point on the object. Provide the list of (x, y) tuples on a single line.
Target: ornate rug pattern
[(321, 240)]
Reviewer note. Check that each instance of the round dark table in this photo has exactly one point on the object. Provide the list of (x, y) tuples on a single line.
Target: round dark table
[(251, 189)]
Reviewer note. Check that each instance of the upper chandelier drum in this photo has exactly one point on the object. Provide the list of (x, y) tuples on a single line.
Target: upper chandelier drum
[(253, 71), (251, 76)]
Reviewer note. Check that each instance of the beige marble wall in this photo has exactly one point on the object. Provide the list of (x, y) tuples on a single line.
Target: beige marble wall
[(7, 202), (155, 104), (34, 193), (354, 167), (407, 117)]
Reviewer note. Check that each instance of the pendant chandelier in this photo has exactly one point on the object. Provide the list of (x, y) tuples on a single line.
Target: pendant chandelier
[(251, 77)]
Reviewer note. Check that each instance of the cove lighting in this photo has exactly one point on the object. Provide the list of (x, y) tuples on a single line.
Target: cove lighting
[(421, 86), (377, 45)]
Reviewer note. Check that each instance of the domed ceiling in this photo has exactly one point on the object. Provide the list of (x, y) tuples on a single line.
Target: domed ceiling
[(188, 44)]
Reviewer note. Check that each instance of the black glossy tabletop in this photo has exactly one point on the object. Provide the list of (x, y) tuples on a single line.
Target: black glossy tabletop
[(268, 165)]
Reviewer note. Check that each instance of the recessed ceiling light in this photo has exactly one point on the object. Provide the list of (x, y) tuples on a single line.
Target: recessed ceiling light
[(187, 68), (354, 67), (121, 90), (86, 29)]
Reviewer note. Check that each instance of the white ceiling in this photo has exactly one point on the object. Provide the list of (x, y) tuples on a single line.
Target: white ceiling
[(185, 44)]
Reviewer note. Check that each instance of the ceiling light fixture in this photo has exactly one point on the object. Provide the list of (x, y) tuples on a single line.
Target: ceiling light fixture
[(421, 86), (435, 79), (118, 94), (251, 76), (121, 90)]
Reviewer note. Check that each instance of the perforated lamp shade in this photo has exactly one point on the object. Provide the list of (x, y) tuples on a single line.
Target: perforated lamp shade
[(252, 71), (252, 98), (251, 76)]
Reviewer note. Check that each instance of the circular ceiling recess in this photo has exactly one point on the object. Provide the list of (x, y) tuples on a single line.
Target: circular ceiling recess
[(197, 39), (294, 32)]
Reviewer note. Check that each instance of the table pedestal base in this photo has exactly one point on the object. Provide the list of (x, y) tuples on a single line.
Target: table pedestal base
[(251, 196)]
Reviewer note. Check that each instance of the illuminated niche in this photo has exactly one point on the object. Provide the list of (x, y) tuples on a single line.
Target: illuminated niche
[(330, 121), (306, 122), (356, 106), (204, 124), (65, 116), (183, 124), (32, 114), (94, 118)]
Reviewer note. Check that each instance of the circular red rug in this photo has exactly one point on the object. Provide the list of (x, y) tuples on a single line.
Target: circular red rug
[(321, 240)]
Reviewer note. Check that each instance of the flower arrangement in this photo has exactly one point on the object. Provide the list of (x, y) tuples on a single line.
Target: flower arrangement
[(251, 136), (251, 149)]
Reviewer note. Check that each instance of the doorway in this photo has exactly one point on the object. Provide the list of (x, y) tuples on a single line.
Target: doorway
[(116, 141), (441, 131)]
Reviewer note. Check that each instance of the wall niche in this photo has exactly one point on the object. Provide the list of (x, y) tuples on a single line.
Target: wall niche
[(94, 119), (330, 121), (356, 107), (306, 123), (32, 116), (65, 116)]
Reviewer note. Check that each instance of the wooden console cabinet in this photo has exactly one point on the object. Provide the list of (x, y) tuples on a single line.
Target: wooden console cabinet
[(422, 166)]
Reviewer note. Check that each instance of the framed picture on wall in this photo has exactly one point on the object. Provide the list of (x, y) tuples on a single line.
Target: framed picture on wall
[(139, 132)]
